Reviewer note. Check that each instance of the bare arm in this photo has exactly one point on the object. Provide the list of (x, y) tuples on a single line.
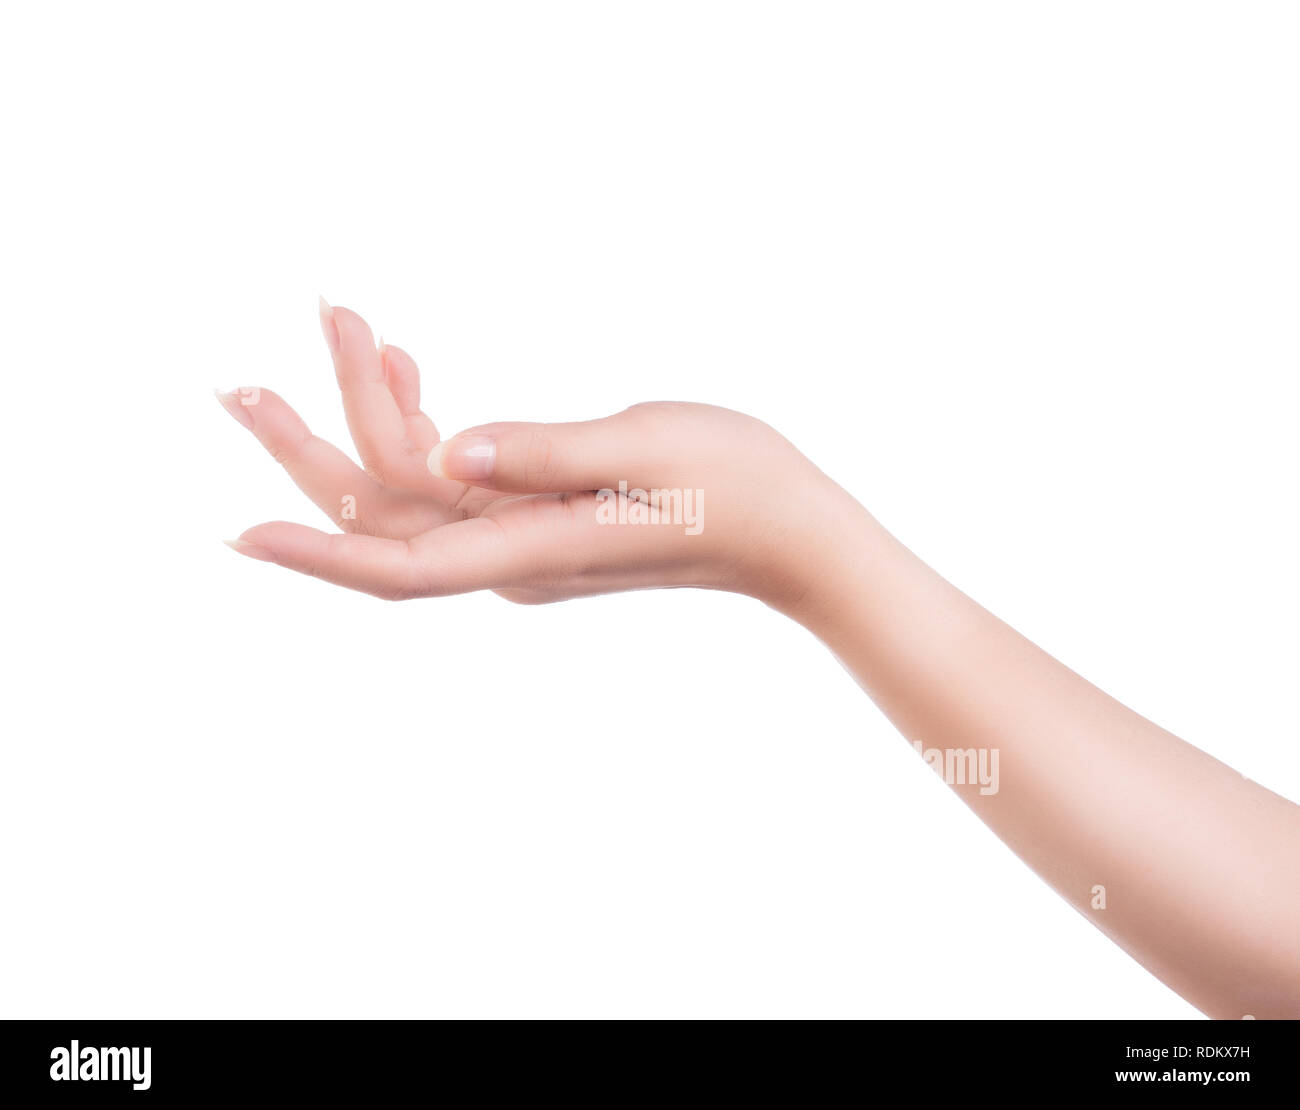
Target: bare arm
[(1190, 867)]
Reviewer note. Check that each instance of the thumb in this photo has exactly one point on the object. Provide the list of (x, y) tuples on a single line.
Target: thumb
[(544, 458)]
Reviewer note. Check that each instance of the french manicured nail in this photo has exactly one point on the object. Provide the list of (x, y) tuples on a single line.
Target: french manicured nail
[(328, 327), (252, 550), (466, 458), (234, 403)]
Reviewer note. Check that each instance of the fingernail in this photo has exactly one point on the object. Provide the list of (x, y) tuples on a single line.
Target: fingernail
[(466, 458), (252, 550), (328, 326), (233, 403)]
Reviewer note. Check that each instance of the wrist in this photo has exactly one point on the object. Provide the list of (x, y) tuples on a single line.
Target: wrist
[(825, 559)]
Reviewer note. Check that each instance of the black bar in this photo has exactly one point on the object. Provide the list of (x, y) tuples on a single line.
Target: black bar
[(611, 1061)]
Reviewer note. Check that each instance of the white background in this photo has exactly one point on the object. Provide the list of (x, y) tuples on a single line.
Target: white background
[(1023, 277)]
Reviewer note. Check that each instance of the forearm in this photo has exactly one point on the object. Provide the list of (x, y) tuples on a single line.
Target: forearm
[(1190, 867)]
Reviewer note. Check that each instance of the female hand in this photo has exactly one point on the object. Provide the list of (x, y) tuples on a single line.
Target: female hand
[(536, 512)]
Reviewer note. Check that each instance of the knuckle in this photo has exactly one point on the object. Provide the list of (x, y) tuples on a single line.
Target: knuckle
[(539, 460), (287, 449), (397, 591)]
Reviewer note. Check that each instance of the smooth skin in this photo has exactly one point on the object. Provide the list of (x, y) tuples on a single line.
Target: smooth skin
[(1199, 866)]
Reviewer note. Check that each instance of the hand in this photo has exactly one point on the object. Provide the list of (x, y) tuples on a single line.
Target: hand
[(535, 512)]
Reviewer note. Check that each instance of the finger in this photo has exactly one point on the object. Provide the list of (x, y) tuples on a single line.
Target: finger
[(349, 496), (378, 427), (404, 383), (540, 458), (383, 567), (403, 378), (457, 558), (324, 473)]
